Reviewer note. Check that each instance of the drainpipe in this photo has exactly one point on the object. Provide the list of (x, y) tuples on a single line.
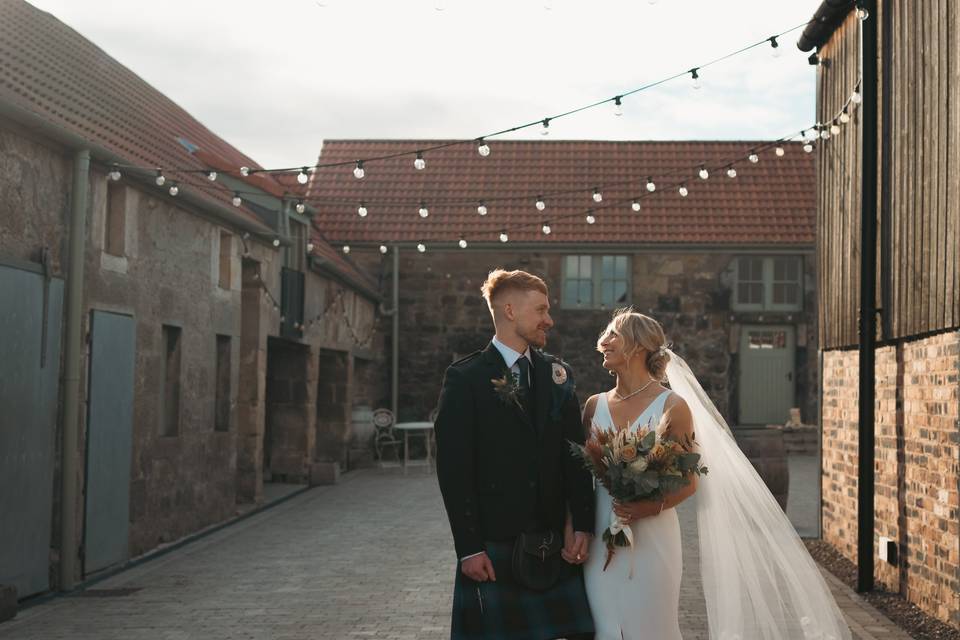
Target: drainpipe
[(69, 467), (395, 366), (868, 304)]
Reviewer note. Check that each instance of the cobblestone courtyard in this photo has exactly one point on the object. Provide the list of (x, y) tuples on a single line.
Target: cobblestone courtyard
[(369, 558)]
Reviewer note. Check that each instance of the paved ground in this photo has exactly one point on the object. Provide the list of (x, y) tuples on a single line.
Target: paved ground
[(369, 558)]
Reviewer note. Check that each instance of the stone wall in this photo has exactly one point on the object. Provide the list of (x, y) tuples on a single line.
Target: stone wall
[(168, 273), (442, 316), (917, 466)]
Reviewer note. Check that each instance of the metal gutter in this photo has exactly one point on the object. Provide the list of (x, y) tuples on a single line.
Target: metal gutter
[(828, 17)]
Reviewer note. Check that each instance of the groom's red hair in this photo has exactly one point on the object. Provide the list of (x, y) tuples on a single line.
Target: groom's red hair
[(500, 281)]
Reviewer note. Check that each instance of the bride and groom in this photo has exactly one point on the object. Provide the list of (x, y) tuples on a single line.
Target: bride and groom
[(527, 520)]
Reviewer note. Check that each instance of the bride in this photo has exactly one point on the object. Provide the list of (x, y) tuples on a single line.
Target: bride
[(759, 581)]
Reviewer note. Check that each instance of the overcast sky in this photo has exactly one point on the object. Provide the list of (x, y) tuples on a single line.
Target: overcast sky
[(277, 78)]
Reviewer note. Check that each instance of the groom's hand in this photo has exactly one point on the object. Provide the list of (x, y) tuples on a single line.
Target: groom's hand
[(576, 548), (478, 568)]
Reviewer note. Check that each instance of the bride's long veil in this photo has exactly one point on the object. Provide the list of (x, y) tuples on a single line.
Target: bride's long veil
[(759, 581)]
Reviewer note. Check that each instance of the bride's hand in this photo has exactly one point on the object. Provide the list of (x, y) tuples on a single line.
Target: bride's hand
[(631, 511)]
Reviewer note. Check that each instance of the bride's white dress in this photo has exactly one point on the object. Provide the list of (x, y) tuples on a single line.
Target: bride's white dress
[(644, 607)]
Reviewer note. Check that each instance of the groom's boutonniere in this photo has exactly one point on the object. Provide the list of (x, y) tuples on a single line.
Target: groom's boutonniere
[(507, 388)]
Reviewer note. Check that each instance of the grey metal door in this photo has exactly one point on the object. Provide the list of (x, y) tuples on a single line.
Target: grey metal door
[(767, 386), (109, 440), (30, 308)]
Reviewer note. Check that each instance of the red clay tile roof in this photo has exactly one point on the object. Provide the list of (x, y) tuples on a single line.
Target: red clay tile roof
[(49, 69), (52, 71), (771, 202)]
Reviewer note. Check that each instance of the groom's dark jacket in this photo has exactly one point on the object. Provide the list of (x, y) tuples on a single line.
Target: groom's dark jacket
[(504, 469)]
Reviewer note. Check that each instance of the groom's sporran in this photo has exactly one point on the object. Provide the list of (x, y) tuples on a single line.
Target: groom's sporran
[(521, 507)]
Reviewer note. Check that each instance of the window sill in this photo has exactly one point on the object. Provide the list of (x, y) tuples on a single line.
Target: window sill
[(116, 264)]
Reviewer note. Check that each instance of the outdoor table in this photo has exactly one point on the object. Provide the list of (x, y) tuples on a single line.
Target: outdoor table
[(416, 429)]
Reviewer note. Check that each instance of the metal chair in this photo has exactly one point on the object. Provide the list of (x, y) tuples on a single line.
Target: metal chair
[(385, 437)]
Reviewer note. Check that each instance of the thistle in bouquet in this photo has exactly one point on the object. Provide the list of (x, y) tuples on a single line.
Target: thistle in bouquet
[(636, 464)]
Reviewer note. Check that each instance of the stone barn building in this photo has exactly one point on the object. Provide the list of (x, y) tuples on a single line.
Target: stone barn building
[(728, 269), (165, 350), (909, 124)]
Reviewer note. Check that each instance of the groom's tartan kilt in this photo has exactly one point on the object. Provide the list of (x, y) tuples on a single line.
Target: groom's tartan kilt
[(503, 610)]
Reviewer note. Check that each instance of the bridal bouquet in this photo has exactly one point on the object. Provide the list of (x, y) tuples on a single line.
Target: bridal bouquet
[(634, 465)]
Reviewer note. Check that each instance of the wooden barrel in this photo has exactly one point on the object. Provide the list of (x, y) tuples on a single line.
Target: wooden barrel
[(765, 449)]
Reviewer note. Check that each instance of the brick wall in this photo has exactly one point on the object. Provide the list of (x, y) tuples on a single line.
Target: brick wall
[(917, 466)]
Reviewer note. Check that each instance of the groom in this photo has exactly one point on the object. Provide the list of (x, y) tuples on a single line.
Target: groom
[(505, 417)]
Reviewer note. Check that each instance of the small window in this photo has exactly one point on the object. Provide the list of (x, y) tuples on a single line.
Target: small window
[(596, 282), (170, 398), (115, 228), (222, 396), (768, 283), (226, 259)]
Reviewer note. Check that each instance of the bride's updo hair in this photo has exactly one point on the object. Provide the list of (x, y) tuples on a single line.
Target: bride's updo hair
[(641, 332)]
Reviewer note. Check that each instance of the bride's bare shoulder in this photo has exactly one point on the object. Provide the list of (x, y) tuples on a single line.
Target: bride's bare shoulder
[(589, 408)]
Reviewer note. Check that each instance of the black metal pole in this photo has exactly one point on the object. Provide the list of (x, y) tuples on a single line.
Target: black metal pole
[(868, 292)]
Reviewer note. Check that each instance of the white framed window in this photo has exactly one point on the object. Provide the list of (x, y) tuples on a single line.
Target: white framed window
[(768, 283), (596, 282)]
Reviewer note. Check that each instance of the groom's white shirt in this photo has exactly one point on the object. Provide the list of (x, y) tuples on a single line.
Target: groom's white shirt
[(510, 357)]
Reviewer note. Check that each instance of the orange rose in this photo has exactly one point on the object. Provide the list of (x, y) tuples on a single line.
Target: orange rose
[(629, 453)]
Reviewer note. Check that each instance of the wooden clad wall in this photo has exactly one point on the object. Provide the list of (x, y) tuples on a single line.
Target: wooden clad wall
[(838, 205), (919, 235)]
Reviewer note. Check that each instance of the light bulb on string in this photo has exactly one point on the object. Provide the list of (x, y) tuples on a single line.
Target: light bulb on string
[(695, 76), (114, 173), (808, 146), (825, 132), (174, 189), (160, 179), (546, 228), (462, 243), (276, 242), (358, 171), (651, 186), (617, 106), (212, 175), (362, 210), (483, 148), (844, 116), (422, 248), (591, 218), (704, 174), (419, 163), (753, 157), (237, 200), (301, 207), (683, 191), (540, 203), (545, 131), (346, 248), (835, 128), (482, 208), (779, 151), (503, 236), (731, 172), (597, 196), (303, 177), (775, 46), (856, 97), (635, 205), (309, 247), (245, 171), (862, 11), (423, 211), (383, 248)]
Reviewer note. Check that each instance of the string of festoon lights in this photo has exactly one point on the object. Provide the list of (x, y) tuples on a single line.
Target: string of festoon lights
[(678, 182), (359, 339), (361, 165)]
